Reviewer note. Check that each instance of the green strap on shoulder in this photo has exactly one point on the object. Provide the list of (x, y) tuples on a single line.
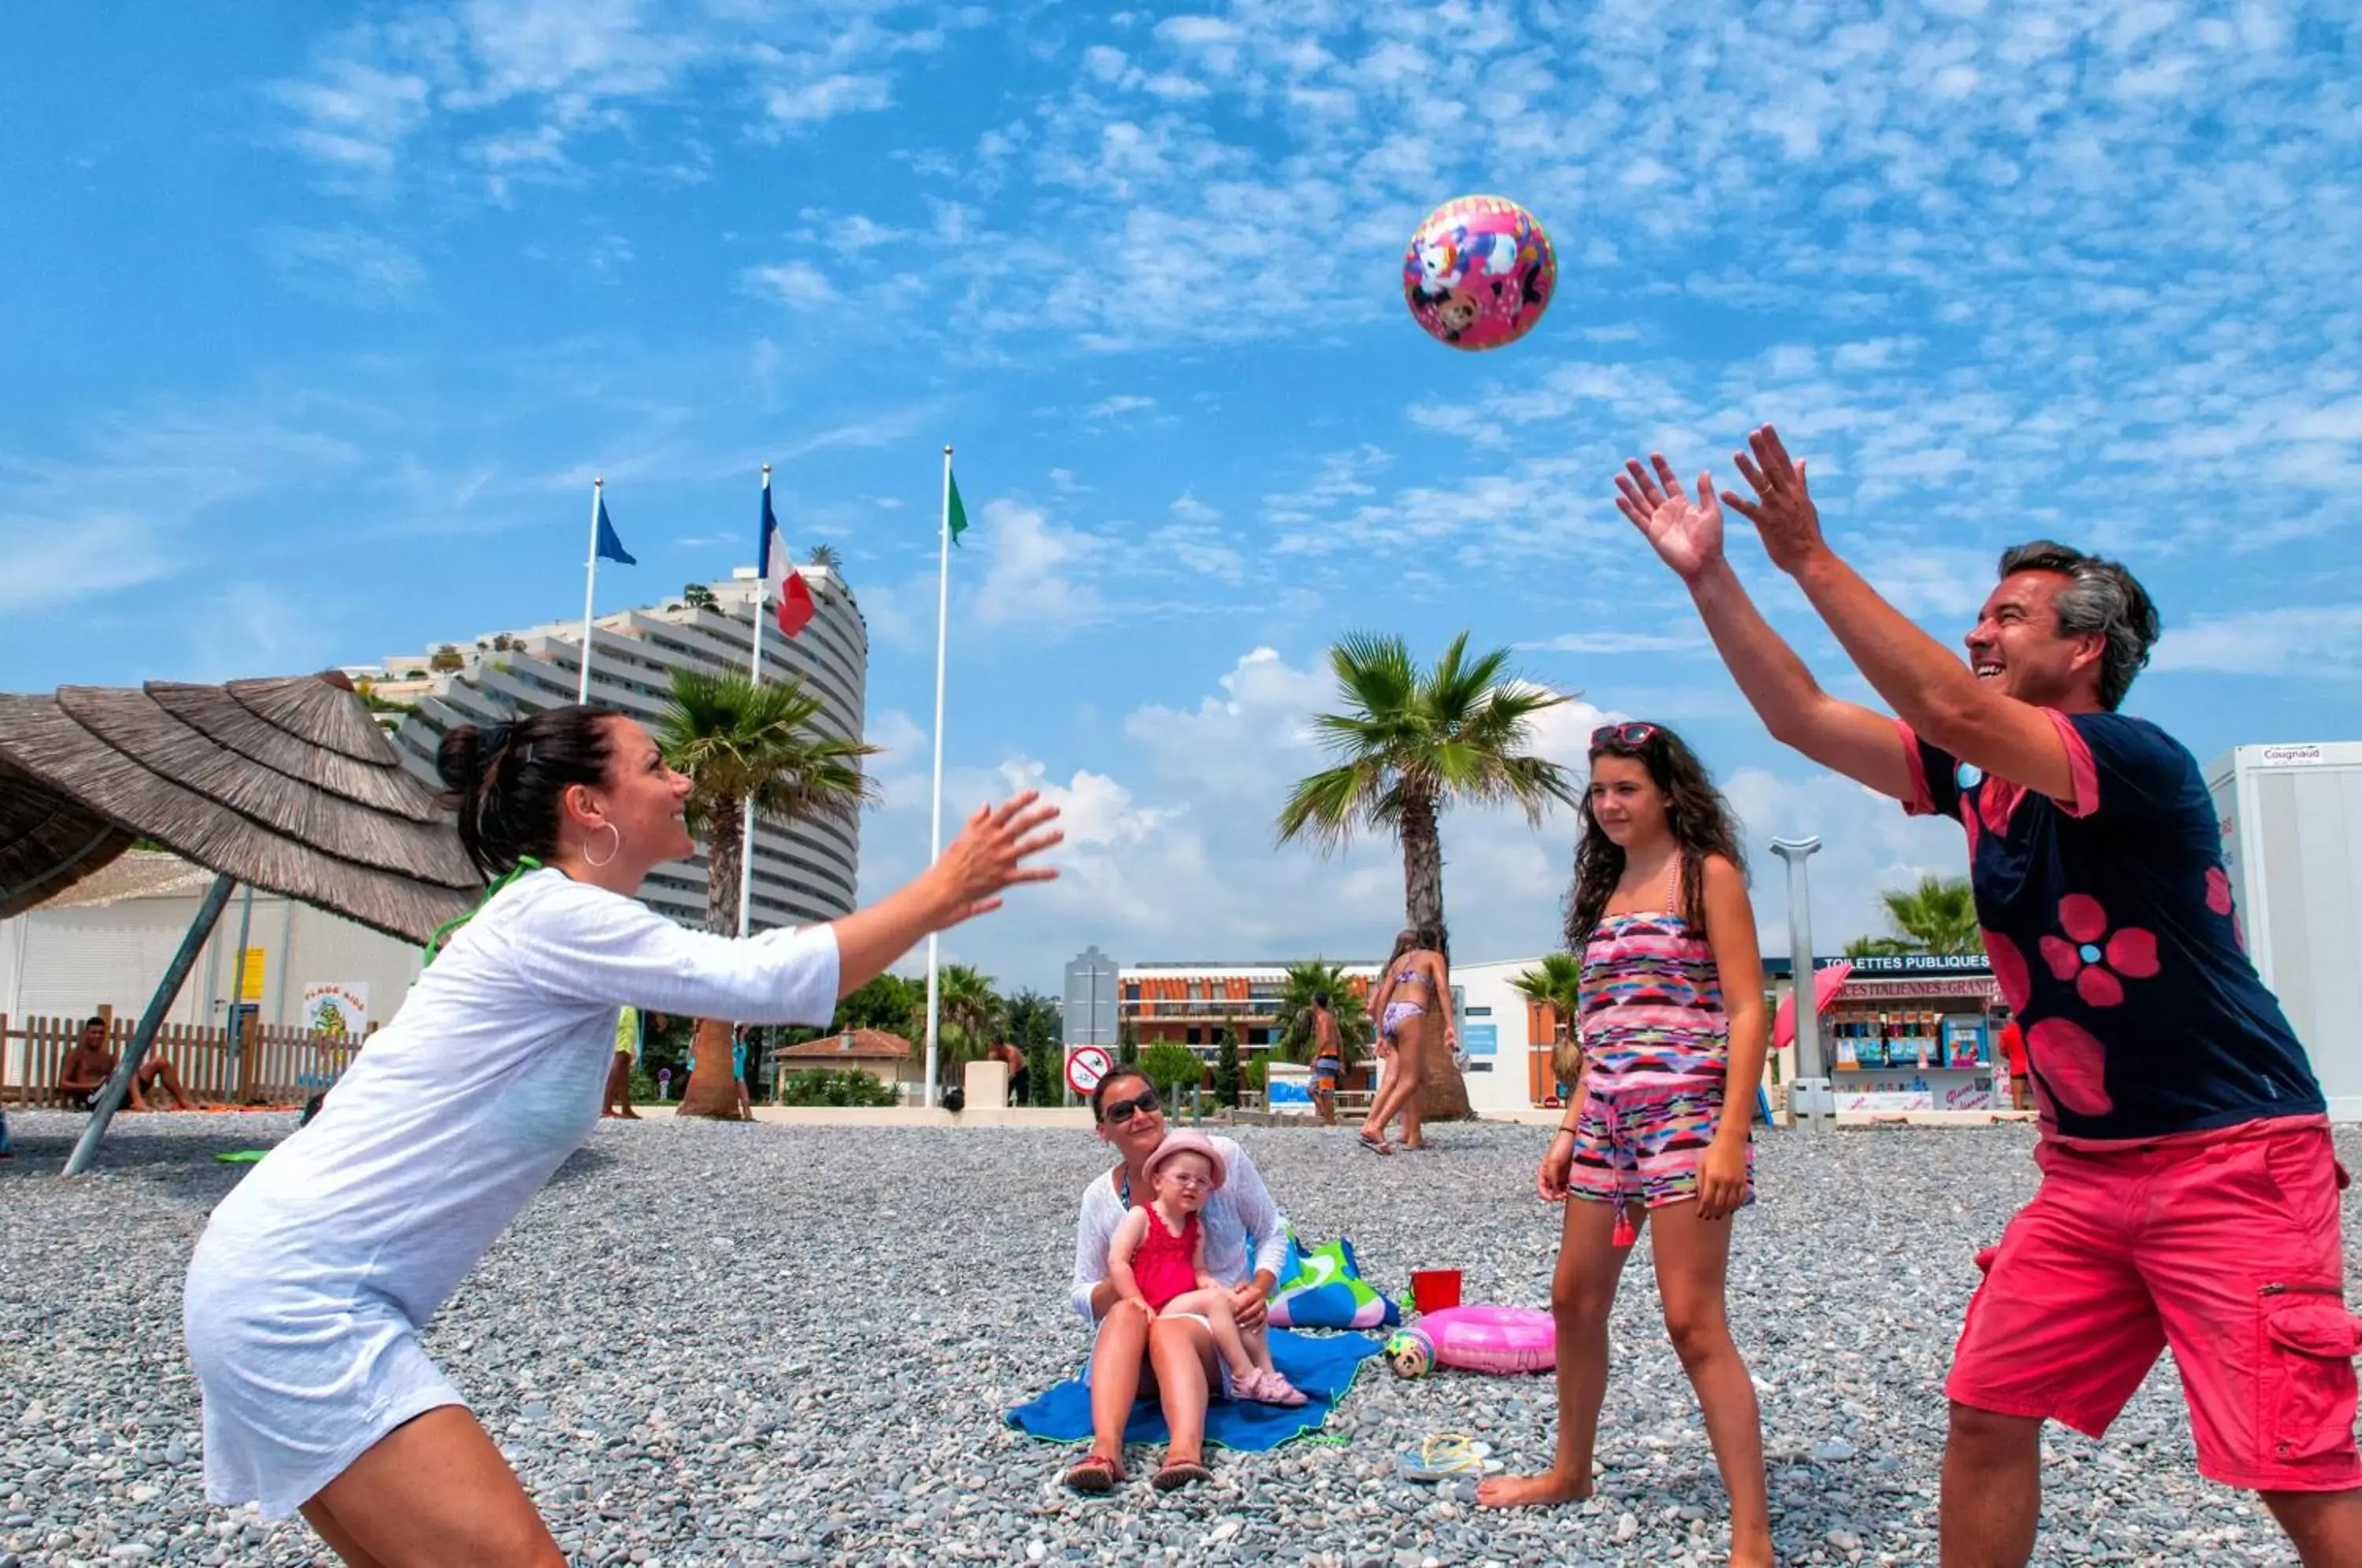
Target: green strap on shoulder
[(443, 932)]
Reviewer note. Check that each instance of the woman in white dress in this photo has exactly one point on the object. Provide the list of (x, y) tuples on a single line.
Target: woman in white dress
[(314, 1277)]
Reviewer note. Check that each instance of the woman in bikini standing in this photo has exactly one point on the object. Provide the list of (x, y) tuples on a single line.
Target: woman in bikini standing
[(1417, 975)]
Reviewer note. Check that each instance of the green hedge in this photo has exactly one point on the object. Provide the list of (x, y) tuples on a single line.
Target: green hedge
[(822, 1086)]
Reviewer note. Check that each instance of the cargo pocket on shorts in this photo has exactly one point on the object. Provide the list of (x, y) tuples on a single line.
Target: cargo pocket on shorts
[(2305, 1393)]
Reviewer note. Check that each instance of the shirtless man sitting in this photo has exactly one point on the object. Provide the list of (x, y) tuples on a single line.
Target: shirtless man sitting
[(90, 1064)]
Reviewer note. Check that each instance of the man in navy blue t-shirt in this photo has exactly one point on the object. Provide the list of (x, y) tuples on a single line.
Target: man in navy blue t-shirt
[(2188, 1195)]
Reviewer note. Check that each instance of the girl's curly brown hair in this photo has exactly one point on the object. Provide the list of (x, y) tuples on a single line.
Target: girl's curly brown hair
[(1694, 809)]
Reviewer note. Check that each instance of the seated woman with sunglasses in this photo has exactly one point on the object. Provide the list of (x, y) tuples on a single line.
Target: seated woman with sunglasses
[(1172, 1358)]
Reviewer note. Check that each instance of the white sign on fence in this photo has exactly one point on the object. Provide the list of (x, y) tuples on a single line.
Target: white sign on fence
[(337, 1007)]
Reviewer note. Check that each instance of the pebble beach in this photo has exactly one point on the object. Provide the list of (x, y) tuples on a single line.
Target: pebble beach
[(757, 1343)]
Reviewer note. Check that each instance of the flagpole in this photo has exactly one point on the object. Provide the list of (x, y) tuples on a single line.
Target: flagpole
[(590, 583), (935, 850), (754, 673)]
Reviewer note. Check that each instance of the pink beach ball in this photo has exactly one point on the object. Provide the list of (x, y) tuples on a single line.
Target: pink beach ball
[(1479, 273)]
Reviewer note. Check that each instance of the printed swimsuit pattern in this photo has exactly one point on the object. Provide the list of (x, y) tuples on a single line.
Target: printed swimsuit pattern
[(1649, 1003), (1656, 1043), (1166, 1265)]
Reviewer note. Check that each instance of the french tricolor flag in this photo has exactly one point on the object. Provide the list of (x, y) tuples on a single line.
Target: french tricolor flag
[(779, 574)]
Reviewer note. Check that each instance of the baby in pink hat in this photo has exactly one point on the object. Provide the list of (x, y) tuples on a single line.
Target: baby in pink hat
[(1158, 1260)]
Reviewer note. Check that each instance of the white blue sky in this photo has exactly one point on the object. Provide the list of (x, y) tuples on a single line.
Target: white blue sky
[(318, 320)]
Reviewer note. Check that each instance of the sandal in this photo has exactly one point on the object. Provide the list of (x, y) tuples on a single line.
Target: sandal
[(1177, 1474), (1376, 1144), (1094, 1474), (1273, 1388), (1446, 1454)]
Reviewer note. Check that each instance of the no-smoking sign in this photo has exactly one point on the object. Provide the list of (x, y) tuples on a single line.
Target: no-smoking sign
[(1085, 1066)]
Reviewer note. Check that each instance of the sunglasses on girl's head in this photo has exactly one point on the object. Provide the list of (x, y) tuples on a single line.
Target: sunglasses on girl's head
[(1124, 1109), (1631, 734)]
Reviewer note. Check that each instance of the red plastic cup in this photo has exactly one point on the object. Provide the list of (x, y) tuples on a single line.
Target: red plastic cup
[(1433, 1289)]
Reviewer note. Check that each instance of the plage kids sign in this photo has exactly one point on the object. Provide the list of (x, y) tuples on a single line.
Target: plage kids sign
[(337, 1007)]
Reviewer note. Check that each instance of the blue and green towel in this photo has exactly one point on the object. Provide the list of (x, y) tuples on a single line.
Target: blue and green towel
[(1323, 1367)]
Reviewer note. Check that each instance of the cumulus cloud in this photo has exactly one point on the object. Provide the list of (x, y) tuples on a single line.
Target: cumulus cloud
[(1171, 851)]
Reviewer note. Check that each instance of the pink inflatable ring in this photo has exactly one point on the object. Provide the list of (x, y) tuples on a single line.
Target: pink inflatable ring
[(1491, 1339)]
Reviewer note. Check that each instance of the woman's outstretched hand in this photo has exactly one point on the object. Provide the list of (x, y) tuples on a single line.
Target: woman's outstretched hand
[(991, 855), (1686, 534)]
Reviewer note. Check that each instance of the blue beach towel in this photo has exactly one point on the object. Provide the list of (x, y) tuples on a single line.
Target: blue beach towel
[(1324, 1367)]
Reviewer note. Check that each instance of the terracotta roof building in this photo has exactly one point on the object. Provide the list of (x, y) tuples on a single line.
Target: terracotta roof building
[(888, 1058)]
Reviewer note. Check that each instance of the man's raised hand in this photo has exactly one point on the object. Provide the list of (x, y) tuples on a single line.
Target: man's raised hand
[(1686, 534), (1783, 510)]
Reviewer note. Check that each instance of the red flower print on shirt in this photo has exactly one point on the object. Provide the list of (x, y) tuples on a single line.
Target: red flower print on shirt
[(2093, 958), (2218, 889), (2218, 898), (2009, 969), (2071, 1059)]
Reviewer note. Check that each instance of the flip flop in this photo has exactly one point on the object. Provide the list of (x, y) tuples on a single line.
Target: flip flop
[(1174, 1476), (1446, 1454), (1376, 1146), (1094, 1475)]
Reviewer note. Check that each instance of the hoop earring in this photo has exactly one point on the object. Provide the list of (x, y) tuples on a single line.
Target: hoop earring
[(610, 827)]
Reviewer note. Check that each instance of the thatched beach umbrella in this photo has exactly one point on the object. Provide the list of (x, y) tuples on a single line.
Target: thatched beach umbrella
[(288, 785)]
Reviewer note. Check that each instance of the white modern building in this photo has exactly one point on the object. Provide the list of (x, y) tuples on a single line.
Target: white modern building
[(805, 872)]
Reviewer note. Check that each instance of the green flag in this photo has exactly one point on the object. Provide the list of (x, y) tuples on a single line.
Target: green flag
[(955, 514)]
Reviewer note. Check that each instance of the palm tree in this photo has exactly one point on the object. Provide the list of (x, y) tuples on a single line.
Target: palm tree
[(739, 739), (1411, 744), (826, 556), (1293, 1018), (1939, 916), (1877, 947), (697, 596), (969, 1017), (1557, 984)]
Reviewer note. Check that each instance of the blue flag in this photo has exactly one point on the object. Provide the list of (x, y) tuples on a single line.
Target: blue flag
[(611, 548)]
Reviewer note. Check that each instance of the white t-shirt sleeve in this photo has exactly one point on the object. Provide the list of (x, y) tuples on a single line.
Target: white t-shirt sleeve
[(1259, 1217), (580, 944), (1095, 1230)]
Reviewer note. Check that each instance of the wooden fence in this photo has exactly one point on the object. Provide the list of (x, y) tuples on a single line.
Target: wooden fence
[(266, 1067)]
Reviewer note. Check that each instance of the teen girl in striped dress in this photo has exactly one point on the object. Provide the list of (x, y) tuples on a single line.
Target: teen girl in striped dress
[(1673, 1034)]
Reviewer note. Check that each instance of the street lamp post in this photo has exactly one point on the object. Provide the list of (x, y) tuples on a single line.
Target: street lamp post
[(1809, 1097)]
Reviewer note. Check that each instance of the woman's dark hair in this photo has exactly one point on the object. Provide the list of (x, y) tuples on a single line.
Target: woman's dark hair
[(1100, 1095), (1694, 810), (1320, 998), (1413, 939), (505, 781)]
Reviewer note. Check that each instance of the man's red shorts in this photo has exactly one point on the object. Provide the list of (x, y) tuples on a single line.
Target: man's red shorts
[(2224, 1248)]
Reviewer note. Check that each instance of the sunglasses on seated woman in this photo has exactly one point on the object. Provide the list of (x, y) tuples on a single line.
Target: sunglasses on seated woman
[(1633, 734), (1122, 1110)]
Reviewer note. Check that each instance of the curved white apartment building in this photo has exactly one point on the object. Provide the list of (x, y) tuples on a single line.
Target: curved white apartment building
[(804, 873)]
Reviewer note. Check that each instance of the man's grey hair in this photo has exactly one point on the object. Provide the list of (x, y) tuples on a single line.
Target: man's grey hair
[(2102, 598)]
